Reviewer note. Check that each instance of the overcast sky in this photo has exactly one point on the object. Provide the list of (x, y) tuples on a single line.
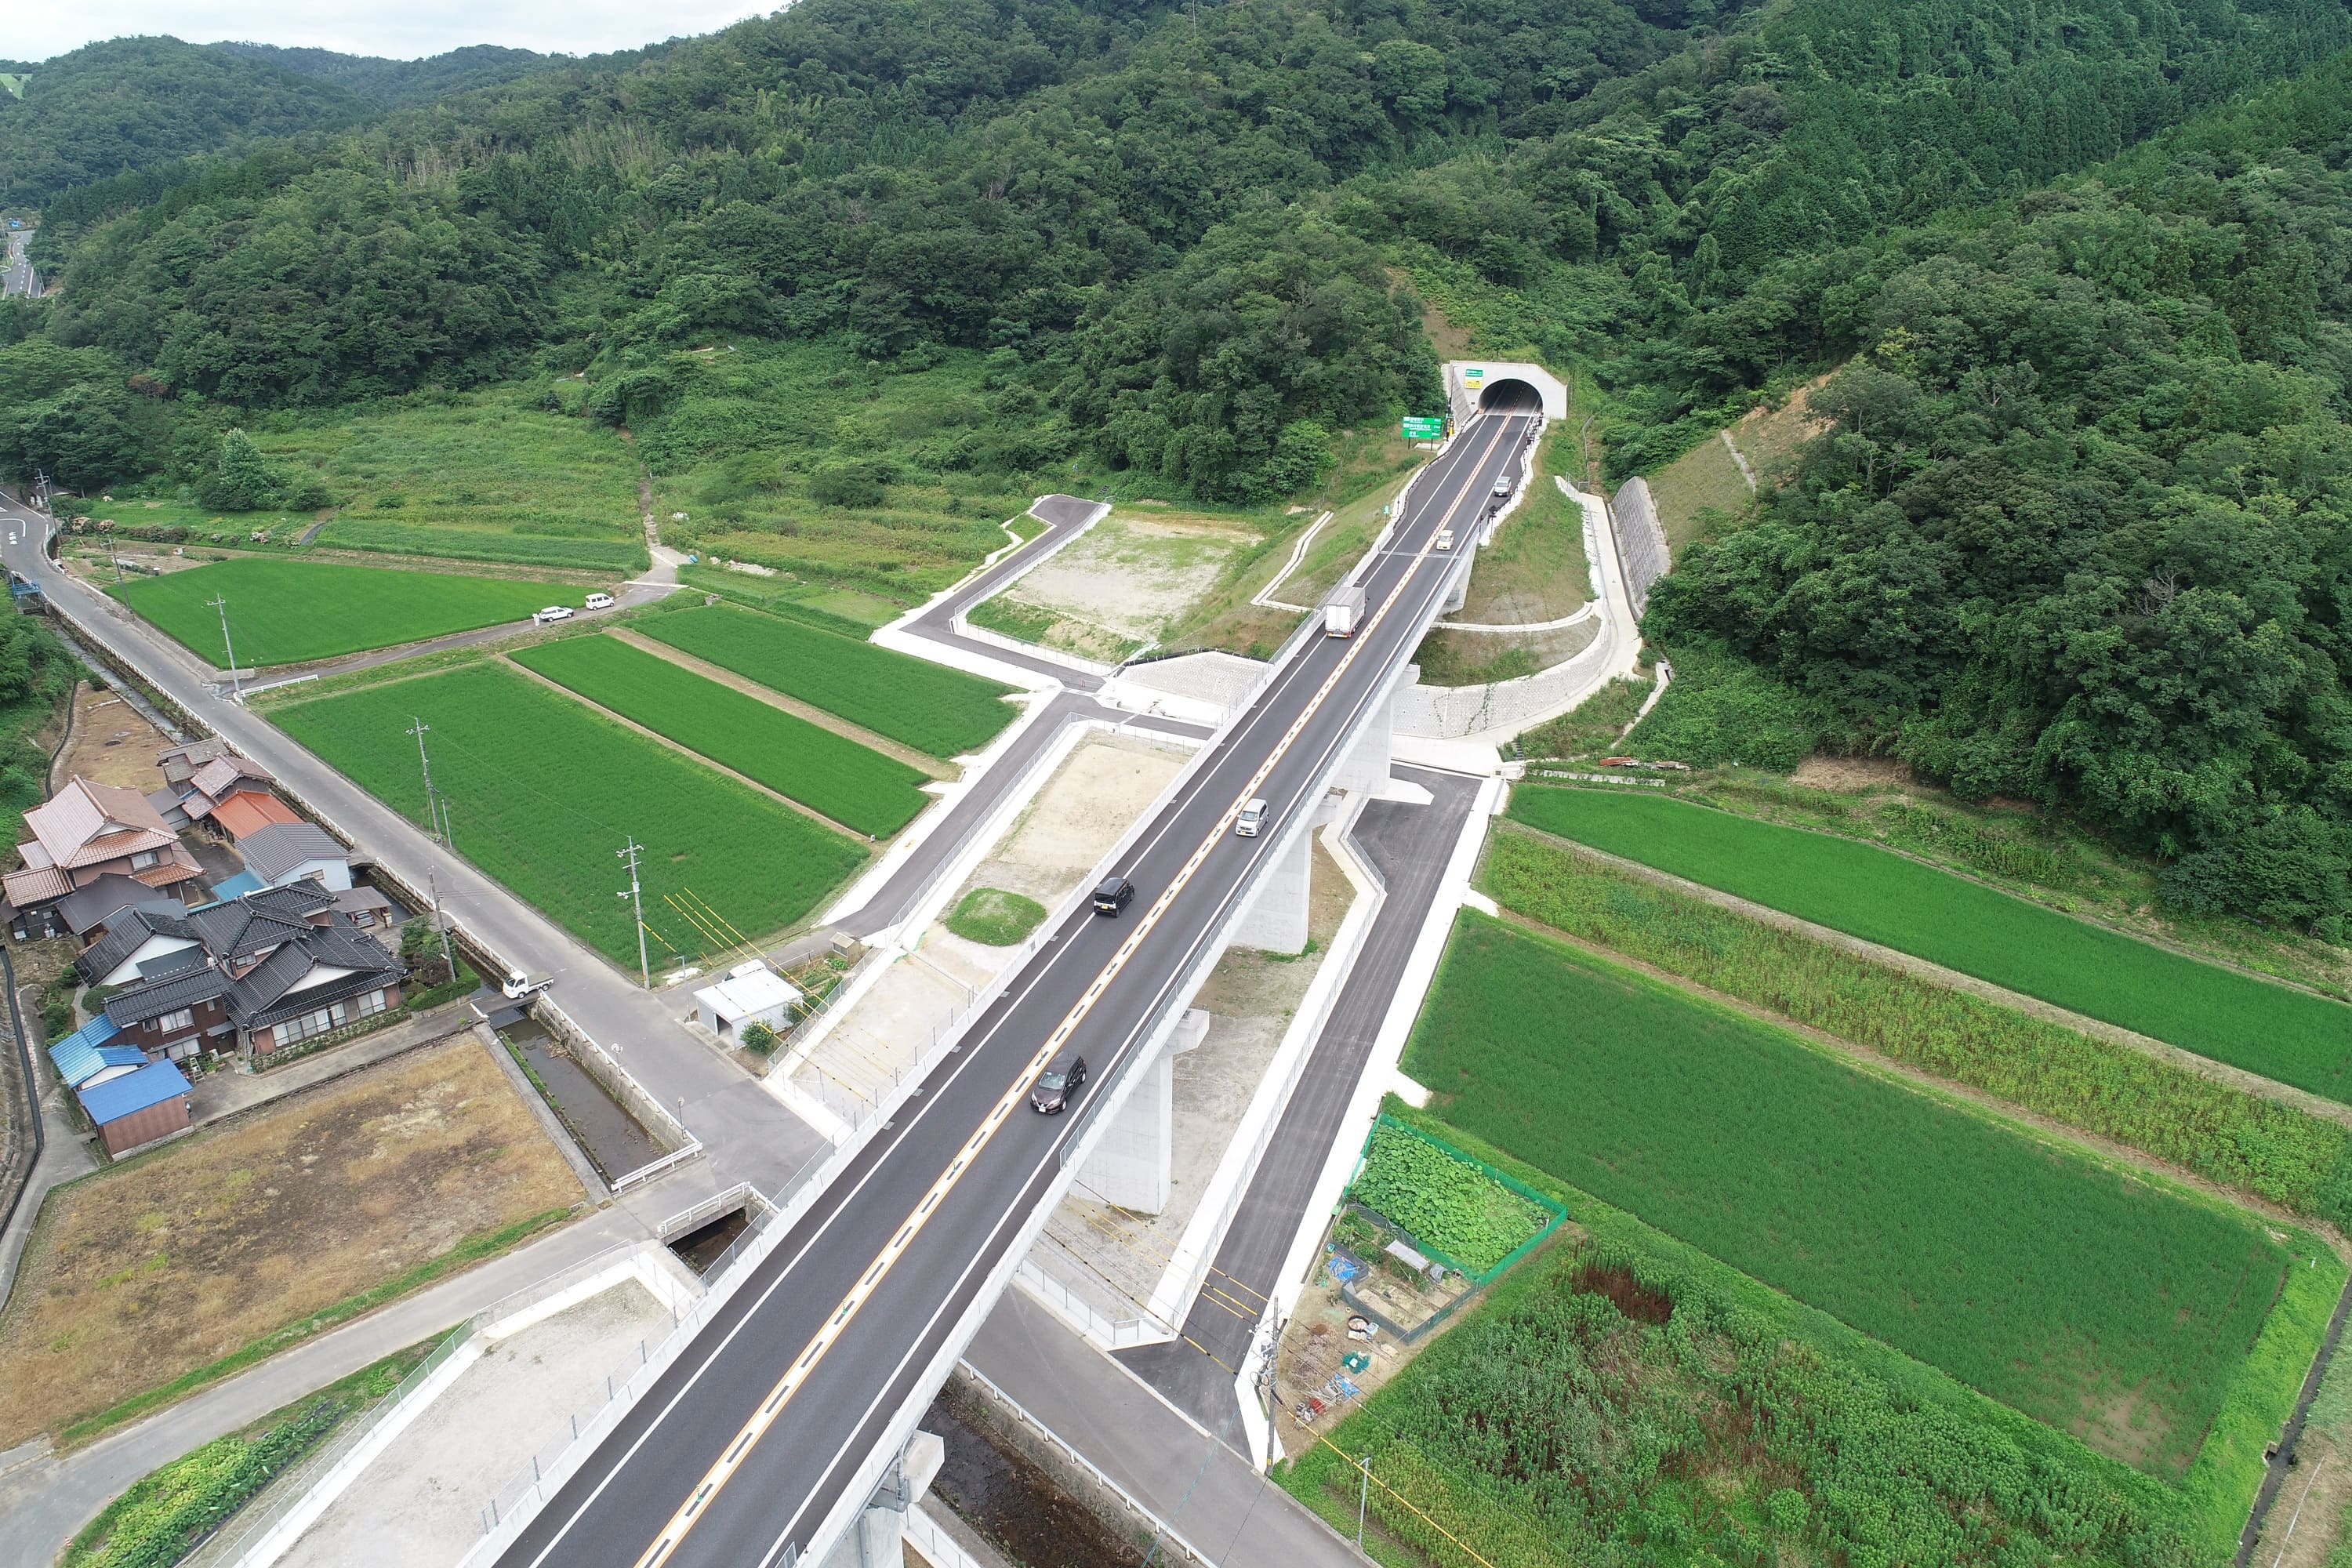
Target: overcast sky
[(404, 29)]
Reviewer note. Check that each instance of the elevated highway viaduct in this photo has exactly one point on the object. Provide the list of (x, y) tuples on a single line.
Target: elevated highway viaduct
[(764, 1441)]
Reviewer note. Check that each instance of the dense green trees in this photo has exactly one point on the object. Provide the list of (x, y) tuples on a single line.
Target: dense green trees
[(2079, 532), (131, 102), (2082, 528)]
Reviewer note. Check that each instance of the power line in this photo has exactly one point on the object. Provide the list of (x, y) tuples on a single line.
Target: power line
[(220, 602), (417, 727), (636, 898)]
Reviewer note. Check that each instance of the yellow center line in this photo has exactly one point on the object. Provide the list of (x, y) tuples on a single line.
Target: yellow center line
[(724, 1470)]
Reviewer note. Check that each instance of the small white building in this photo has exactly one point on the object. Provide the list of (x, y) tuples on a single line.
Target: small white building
[(752, 993)]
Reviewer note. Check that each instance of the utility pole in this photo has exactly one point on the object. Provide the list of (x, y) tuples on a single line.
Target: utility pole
[(440, 926), (417, 727), (636, 902), (1363, 1497), (219, 603)]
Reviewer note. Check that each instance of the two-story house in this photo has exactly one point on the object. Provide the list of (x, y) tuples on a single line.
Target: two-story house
[(257, 974), (87, 831)]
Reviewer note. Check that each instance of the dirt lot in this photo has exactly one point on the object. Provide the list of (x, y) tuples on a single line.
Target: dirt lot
[(158, 1265), (111, 744), (1129, 580), (1103, 786)]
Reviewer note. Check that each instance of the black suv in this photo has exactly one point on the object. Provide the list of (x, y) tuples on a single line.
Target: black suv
[(1113, 894), (1051, 1093)]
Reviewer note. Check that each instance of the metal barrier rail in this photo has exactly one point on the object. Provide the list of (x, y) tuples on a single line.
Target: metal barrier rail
[(1112, 1333), (743, 1194), (246, 1530)]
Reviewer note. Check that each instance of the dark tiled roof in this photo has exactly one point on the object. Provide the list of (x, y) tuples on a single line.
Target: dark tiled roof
[(153, 1001), (127, 936), (239, 930), (266, 995), (279, 847), (111, 895)]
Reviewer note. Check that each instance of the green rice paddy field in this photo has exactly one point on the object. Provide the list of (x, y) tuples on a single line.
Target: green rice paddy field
[(2093, 1299), (2280, 1033), (825, 772), (935, 709), (543, 790), (290, 612)]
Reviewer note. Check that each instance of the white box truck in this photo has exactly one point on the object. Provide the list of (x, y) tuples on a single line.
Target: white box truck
[(1344, 611)]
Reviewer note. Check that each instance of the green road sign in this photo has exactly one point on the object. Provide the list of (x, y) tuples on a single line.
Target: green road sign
[(1423, 429)]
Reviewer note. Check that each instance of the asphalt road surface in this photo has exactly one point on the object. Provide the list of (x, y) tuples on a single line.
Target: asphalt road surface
[(17, 277), (744, 1447)]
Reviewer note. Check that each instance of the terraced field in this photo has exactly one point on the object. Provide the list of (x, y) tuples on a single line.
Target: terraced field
[(825, 772)]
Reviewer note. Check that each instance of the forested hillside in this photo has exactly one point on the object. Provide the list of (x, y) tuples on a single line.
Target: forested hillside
[(2079, 532), (396, 84), (133, 104), (2083, 531)]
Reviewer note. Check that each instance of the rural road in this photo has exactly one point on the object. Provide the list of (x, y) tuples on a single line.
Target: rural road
[(759, 1422), (748, 1132)]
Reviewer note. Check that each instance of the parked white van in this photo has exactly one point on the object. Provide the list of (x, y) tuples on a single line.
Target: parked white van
[(600, 601)]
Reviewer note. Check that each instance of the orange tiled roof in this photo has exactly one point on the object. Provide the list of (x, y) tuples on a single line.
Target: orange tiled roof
[(247, 809)]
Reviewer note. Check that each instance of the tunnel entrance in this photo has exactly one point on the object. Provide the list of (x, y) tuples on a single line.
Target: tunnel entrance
[(1510, 395)]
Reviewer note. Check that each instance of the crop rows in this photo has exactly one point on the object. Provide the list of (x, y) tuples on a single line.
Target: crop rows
[(1446, 1203), (290, 612), (2290, 1036), (825, 772), (543, 790), (2223, 1134), (935, 709), (616, 555), (2080, 1294), (1564, 1419)]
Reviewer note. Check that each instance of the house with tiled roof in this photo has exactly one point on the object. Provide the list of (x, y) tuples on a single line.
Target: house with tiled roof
[(283, 852), (254, 975), (87, 831)]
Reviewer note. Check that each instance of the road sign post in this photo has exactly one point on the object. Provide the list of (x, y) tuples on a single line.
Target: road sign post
[(1424, 429)]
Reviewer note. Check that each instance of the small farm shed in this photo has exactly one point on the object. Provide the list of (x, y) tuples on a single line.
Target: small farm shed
[(752, 993), (138, 1107)]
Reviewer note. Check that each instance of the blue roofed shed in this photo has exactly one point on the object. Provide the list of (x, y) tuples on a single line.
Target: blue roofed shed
[(92, 1050), (138, 1107)]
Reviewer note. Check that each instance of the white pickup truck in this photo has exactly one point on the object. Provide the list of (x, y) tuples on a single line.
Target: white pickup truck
[(518, 986)]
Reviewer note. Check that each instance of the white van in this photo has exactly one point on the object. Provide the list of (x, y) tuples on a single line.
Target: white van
[(600, 601), (1252, 819)]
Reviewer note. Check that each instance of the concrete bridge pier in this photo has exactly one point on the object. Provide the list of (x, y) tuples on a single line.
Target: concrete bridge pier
[(1134, 1163), (876, 1539)]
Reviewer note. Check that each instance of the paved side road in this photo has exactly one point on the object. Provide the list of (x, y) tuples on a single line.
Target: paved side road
[(747, 1131), (1410, 845), (43, 1502), (1190, 1480)]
